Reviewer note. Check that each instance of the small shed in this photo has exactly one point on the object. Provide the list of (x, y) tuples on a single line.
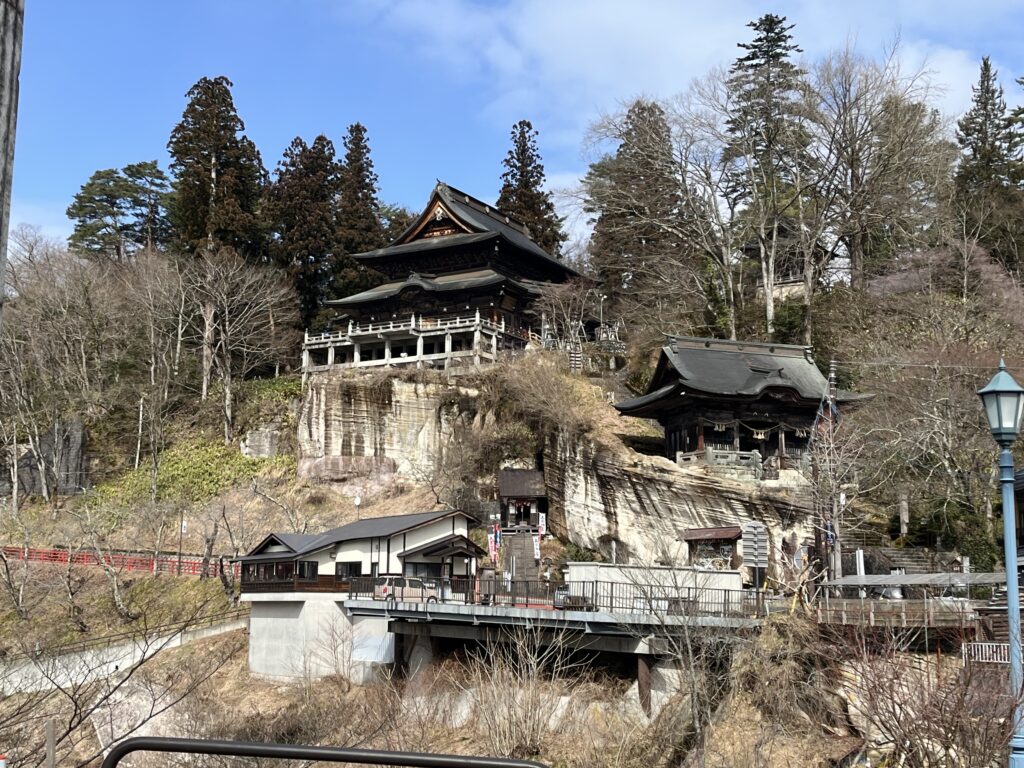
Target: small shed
[(713, 548), (524, 499)]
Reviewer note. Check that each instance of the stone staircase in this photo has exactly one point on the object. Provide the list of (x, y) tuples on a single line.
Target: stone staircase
[(517, 549), (909, 559), (575, 352)]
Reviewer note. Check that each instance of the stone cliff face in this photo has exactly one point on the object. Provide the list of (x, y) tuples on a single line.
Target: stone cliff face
[(353, 426), (601, 497), (635, 507)]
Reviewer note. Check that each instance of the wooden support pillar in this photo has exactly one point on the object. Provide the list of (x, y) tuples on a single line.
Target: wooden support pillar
[(782, 448), (355, 353), (736, 435), (387, 351), (330, 355), (700, 435), (476, 340), (447, 349), (494, 346), (419, 351), (644, 662)]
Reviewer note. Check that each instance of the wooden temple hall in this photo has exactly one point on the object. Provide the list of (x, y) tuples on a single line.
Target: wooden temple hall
[(460, 284), (746, 405)]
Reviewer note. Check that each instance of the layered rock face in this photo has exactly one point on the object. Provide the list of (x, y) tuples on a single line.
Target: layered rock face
[(629, 506), (351, 425), (634, 508)]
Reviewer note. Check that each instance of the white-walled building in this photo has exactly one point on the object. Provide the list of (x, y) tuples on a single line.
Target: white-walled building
[(297, 584)]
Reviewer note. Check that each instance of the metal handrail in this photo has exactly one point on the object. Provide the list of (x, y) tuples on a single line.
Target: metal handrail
[(299, 752)]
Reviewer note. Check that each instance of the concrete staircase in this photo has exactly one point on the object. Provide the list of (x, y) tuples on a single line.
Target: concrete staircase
[(517, 549), (911, 560)]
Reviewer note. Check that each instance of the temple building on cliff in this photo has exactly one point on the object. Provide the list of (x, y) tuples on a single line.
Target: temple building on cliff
[(745, 407), (460, 286)]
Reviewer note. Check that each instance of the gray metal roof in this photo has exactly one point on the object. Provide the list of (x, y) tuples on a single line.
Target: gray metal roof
[(371, 528), (455, 281), (920, 580), (730, 368)]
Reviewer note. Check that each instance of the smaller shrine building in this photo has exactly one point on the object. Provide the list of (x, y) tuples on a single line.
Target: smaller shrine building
[(751, 405)]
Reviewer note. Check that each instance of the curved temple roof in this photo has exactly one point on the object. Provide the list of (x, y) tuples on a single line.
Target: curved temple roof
[(479, 222), (712, 367), (456, 281)]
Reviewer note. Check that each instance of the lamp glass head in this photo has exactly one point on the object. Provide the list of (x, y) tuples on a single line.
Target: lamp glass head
[(1003, 399)]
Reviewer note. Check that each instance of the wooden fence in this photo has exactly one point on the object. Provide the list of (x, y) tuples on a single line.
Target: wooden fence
[(186, 565)]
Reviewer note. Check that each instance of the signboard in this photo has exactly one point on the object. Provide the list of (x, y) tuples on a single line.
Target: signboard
[(755, 545), (542, 523), (536, 547)]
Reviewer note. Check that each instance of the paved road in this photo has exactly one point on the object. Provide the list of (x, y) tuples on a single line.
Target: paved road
[(74, 669)]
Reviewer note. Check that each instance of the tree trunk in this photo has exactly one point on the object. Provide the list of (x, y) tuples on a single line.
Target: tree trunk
[(211, 541), (856, 245), (138, 435), (12, 17), (208, 336), (229, 417)]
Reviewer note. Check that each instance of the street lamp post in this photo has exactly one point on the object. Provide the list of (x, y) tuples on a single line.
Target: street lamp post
[(1003, 399)]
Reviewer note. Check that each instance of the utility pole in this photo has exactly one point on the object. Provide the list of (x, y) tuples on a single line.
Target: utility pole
[(12, 21)]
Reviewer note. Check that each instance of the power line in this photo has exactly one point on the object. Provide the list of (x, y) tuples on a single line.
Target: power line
[(894, 364)]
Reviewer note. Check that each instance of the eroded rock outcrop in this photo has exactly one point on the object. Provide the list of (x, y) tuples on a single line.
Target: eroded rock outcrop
[(600, 495)]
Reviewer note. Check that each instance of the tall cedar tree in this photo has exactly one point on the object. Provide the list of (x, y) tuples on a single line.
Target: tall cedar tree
[(634, 197), (300, 211), (987, 137), (119, 212), (767, 147), (990, 170), (522, 193), (765, 85), (359, 226), (218, 175)]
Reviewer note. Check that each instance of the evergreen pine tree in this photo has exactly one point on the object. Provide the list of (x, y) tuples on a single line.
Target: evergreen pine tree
[(522, 194), (119, 212), (634, 197), (986, 137), (358, 218), (765, 85), (300, 210), (990, 172), (150, 226), (218, 174)]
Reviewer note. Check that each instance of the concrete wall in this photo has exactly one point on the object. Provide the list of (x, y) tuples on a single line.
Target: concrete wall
[(293, 636)]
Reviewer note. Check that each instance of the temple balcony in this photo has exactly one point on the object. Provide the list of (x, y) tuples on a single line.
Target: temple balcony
[(748, 465), (423, 342)]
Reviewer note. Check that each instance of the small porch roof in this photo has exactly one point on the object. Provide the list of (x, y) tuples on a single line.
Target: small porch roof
[(449, 546), (722, 533)]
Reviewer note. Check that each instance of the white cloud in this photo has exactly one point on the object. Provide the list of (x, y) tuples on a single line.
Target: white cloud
[(48, 216), (563, 63)]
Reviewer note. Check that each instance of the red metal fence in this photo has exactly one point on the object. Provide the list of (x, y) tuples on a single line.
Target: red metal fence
[(186, 565)]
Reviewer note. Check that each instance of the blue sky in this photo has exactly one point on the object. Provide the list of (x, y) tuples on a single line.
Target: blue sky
[(438, 83)]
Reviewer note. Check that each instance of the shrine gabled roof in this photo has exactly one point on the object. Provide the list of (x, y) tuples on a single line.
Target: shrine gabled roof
[(456, 281), (740, 369), (476, 218)]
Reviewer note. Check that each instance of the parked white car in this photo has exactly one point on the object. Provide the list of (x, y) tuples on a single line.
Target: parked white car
[(404, 589)]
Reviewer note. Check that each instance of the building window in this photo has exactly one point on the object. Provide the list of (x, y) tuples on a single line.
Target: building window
[(348, 570), (306, 570), (423, 570)]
